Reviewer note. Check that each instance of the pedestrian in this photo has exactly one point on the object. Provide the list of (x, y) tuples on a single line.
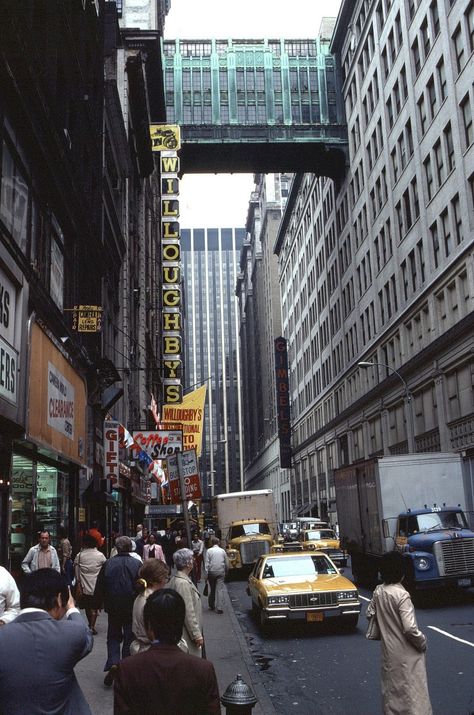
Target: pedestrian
[(39, 649), (404, 681), (115, 588), (9, 597), (138, 535), (217, 566), (140, 542), (197, 546), (181, 540), (41, 556), (153, 575), (152, 550), (97, 534), (181, 582), (164, 680), (87, 565), (64, 555), (167, 544)]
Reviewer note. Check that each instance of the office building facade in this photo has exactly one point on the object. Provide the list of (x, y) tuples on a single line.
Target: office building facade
[(211, 349), (380, 268)]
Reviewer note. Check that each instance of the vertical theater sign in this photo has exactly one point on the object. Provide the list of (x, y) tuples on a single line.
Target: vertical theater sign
[(166, 140)]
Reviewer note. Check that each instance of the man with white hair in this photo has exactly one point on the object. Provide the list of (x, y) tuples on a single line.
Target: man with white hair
[(116, 589)]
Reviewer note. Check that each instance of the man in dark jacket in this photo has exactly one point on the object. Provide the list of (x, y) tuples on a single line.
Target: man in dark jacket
[(116, 589), (163, 679)]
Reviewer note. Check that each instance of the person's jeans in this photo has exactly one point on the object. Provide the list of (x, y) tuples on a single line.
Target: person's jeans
[(216, 595), (119, 629)]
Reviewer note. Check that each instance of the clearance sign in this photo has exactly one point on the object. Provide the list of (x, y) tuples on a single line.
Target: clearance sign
[(171, 266), (188, 416)]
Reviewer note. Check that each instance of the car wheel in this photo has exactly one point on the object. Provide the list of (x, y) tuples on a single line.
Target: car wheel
[(350, 622), (263, 620)]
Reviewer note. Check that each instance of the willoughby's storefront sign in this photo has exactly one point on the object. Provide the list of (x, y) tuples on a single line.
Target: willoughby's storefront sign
[(172, 346)]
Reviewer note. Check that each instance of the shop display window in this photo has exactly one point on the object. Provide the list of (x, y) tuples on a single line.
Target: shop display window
[(22, 508)]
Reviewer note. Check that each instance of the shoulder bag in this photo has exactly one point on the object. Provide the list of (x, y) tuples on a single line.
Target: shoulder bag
[(373, 629)]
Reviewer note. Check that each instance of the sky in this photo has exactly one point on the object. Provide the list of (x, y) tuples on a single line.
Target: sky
[(240, 19)]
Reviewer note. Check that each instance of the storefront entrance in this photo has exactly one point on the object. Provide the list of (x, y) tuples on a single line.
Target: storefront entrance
[(40, 501)]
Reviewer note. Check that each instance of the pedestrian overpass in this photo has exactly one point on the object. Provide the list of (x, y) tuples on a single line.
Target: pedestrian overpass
[(256, 105)]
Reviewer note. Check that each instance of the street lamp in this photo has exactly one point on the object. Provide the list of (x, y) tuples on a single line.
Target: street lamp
[(408, 407)]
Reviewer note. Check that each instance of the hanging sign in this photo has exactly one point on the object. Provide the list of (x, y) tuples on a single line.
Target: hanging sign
[(111, 450), (159, 444), (186, 462), (87, 318)]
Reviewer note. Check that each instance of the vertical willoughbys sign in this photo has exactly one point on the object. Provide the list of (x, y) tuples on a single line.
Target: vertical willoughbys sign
[(283, 401), (166, 140)]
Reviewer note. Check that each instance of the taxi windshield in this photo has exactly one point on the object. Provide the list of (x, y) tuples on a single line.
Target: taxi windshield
[(320, 534), (298, 566)]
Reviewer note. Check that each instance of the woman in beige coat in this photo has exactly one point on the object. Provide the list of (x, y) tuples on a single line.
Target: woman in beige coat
[(181, 582), (404, 682)]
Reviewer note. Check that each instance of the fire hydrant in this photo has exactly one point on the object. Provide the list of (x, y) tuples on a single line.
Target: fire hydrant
[(239, 698)]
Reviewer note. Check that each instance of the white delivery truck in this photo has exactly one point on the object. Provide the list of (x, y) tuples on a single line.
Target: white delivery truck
[(248, 524), (414, 503)]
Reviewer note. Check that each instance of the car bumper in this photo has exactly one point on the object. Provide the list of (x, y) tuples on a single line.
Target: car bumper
[(294, 614)]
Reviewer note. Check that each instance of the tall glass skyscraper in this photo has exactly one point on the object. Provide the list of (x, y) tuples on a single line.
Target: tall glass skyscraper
[(211, 349)]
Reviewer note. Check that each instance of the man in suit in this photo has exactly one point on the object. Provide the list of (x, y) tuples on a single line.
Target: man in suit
[(39, 649), (163, 679)]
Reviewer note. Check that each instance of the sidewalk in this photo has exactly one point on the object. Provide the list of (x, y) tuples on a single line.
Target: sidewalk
[(226, 647)]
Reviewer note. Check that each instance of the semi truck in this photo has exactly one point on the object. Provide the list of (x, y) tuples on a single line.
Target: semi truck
[(248, 524), (412, 503)]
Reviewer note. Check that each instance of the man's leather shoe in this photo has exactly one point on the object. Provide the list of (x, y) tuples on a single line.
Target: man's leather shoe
[(109, 678), (218, 610)]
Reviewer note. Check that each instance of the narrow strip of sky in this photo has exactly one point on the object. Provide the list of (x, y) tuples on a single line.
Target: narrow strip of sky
[(208, 200)]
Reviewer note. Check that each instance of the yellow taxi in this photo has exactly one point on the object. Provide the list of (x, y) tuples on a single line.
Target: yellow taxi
[(324, 540), (302, 586)]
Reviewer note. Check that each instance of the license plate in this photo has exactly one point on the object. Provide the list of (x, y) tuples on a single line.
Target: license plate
[(315, 617), (464, 581)]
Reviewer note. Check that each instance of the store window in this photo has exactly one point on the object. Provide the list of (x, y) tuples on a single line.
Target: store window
[(40, 495)]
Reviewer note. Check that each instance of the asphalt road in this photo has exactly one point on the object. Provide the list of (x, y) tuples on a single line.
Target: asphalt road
[(323, 669)]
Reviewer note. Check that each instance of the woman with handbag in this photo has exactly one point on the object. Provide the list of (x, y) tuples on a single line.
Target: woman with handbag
[(87, 565), (391, 612)]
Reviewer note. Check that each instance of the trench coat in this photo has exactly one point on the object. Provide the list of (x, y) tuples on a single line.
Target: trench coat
[(193, 618), (404, 681)]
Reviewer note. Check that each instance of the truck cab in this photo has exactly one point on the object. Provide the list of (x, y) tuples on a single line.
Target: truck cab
[(246, 541), (438, 546)]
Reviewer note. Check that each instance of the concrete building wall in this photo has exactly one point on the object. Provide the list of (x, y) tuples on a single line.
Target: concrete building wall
[(381, 268)]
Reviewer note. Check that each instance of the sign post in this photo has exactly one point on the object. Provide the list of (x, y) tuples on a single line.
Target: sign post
[(183, 498)]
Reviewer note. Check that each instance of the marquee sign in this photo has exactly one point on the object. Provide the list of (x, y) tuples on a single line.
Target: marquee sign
[(172, 346)]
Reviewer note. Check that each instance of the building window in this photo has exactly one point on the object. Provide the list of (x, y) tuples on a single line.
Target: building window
[(470, 25), (467, 120), (447, 238), (428, 176), (432, 98), (456, 212), (449, 146), (422, 114), (415, 53), (459, 49), (434, 12), (439, 161), (14, 198), (435, 243), (441, 71)]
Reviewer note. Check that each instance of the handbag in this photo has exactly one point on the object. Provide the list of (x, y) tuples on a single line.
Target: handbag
[(373, 629), (206, 589), (78, 593)]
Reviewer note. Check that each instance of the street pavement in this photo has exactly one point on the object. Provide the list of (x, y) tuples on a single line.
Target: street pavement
[(226, 647)]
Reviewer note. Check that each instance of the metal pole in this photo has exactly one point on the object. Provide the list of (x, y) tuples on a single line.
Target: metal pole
[(184, 503)]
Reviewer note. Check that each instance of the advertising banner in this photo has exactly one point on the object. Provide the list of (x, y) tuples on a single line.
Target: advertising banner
[(60, 402), (283, 401), (159, 444), (188, 415), (186, 462)]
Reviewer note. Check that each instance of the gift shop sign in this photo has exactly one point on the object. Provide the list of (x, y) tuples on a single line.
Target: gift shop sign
[(111, 450), (186, 463), (8, 354), (60, 402)]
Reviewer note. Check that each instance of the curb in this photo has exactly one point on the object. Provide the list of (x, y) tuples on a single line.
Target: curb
[(264, 700)]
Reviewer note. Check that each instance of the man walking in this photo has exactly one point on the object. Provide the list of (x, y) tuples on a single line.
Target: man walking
[(116, 589), (217, 565), (39, 649), (41, 556)]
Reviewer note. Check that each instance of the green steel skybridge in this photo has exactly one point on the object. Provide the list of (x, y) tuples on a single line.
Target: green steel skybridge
[(256, 105)]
